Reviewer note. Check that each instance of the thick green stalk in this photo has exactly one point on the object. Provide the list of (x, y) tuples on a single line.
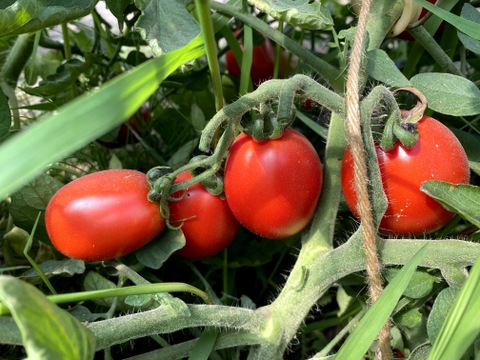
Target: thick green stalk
[(208, 32), (279, 320)]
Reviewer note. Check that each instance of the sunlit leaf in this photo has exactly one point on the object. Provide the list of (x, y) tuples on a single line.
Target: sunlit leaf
[(302, 13), (24, 16), (166, 25)]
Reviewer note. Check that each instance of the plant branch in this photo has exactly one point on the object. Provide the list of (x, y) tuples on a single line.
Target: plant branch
[(323, 270), (208, 32)]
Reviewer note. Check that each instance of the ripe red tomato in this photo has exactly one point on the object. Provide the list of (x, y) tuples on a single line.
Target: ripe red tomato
[(207, 222), (437, 155), (122, 135), (273, 186), (102, 216), (263, 62)]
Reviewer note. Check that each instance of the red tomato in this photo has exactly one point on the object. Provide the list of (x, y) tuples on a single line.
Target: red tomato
[(437, 155), (263, 63), (122, 135), (273, 186), (207, 222), (102, 216)]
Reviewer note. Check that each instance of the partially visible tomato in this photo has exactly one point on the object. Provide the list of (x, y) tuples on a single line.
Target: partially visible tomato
[(263, 63), (437, 155), (205, 219), (102, 216), (273, 186), (122, 135)]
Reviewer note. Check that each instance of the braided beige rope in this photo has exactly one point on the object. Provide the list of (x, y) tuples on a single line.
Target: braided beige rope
[(364, 208)]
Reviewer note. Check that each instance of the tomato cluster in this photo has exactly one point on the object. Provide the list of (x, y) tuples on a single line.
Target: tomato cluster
[(271, 187), (437, 155)]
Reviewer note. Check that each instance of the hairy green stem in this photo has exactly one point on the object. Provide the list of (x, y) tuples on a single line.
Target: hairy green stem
[(320, 234), (321, 270), (431, 46)]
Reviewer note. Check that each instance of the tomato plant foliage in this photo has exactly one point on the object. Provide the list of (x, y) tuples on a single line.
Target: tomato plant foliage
[(214, 217)]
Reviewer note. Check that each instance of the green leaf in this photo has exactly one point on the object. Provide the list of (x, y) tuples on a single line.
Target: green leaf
[(117, 7), (420, 352), (65, 76), (438, 314), (368, 328), (183, 154), (303, 13), (32, 199), (95, 281), (382, 68), (470, 144), (5, 117), (156, 252), (62, 133), (472, 14), (24, 16), (68, 267), (442, 90), (463, 199), (204, 346), (420, 286), (166, 25), (411, 318), (462, 325), (468, 27), (48, 332)]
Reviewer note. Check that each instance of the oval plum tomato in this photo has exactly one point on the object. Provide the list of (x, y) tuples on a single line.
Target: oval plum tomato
[(437, 155), (102, 216), (205, 219), (263, 63), (273, 186)]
